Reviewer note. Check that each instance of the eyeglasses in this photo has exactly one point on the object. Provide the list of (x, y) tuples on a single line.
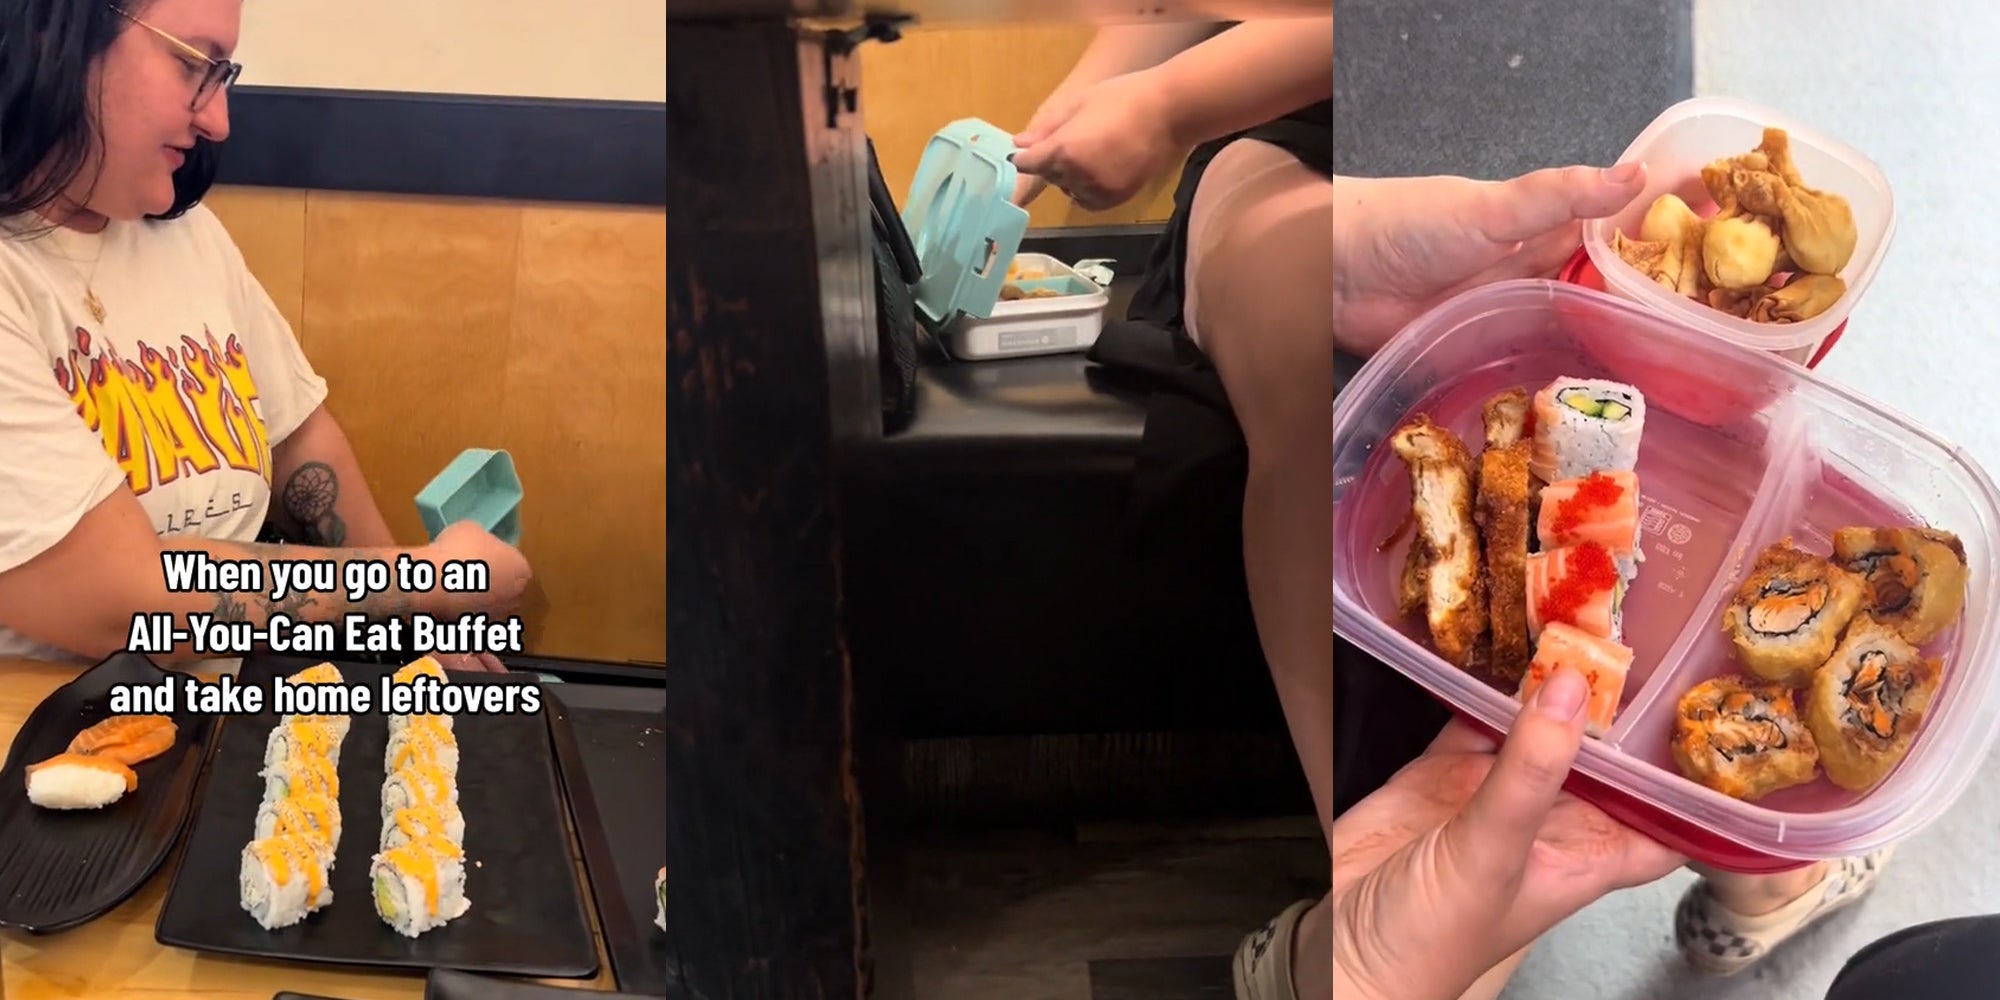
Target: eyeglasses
[(216, 74)]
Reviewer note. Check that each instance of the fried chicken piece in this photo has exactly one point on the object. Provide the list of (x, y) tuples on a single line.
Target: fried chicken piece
[(1502, 515), (1441, 488), (1506, 417)]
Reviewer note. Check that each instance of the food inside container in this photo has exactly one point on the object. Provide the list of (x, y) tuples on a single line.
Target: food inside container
[(1038, 283), (1784, 609), (1753, 226)]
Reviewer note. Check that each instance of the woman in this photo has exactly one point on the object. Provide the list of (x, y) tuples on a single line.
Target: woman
[(153, 401), (1247, 274)]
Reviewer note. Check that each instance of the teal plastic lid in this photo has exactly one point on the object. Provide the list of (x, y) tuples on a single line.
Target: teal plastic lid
[(962, 220), (479, 485)]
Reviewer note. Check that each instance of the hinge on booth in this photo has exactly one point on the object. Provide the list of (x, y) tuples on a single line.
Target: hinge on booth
[(840, 92)]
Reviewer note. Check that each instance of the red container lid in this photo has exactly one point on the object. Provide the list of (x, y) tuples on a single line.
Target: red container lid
[(1580, 271)]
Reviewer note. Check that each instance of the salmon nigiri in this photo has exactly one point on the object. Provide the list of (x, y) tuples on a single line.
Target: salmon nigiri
[(1578, 586), (79, 781), (1602, 507), (1602, 663), (127, 739)]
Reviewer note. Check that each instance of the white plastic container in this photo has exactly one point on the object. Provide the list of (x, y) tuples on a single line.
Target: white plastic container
[(1696, 132), (1024, 327)]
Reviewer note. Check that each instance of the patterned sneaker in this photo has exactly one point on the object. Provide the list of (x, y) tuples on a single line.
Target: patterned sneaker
[(1716, 940), (1262, 969)]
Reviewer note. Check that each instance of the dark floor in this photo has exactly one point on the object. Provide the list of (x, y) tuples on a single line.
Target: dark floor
[(1112, 913)]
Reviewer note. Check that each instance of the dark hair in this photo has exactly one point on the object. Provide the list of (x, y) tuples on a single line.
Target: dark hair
[(47, 120)]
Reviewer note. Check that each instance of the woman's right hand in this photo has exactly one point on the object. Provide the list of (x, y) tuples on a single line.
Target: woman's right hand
[(1100, 144), (507, 570)]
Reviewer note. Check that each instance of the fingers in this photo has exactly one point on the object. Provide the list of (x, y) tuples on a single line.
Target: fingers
[(1459, 737), (1497, 828), (1532, 204)]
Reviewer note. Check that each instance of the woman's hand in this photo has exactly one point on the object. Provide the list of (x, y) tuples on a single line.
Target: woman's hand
[(472, 663), (1466, 856), (507, 572), (1402, 245), (1099, 144)]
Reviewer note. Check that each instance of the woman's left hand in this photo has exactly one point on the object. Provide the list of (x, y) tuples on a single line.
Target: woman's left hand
[(1404, 244), (1467, 855), (470, 662)]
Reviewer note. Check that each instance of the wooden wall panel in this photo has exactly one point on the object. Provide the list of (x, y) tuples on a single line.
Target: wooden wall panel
[(443, 324), (932, 77)]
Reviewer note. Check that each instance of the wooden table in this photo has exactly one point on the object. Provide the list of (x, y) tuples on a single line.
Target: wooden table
[(115, 957)]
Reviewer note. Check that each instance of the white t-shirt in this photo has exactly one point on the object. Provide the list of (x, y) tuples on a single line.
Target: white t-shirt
[(179, 393)]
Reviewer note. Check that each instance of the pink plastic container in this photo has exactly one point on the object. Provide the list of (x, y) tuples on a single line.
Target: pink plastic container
[(1741, 449)]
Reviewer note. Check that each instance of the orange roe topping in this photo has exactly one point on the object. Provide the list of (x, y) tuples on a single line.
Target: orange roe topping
[(1590, 571), (1596, 490)]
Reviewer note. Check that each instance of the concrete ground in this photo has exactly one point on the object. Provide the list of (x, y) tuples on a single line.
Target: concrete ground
[(1914, 88)]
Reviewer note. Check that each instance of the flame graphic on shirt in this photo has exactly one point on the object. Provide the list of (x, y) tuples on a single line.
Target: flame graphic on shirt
[(179, 410)]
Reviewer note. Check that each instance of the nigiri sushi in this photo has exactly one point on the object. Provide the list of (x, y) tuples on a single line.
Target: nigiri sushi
[(127, 739), (1915, 577), (79, 781), (1867, 703), (1578, 586), (1789, 613), (1586, 425), (1601, 507), (1603, 664), (1742, 738)]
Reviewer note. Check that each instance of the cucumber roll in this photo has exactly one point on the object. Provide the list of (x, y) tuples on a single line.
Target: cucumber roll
[(418, 888), (282, 881), (1584, 426), (440, 821), (420, 784)]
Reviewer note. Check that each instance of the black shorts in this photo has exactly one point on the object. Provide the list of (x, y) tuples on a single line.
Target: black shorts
[(1382, 720)]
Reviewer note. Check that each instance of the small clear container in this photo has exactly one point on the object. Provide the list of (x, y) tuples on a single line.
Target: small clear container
[(1696, 132), (1741, 450)]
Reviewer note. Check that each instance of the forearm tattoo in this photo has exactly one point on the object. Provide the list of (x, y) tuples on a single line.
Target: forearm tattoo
[(309, 499)]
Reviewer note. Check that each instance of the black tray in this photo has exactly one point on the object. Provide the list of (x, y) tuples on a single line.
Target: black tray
[(446, 984), (527, 916), (107, 853), (608, 747)]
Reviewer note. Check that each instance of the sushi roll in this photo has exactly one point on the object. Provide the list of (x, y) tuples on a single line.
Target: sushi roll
[(421, 784), (79, 781), (428, 821), (1868, 702), (660, 899), (301, 773), (1586, 425), (431, 745), (1915, 577), (322, 673), (422, 665), (418, 888), (1743, 738), (1602, 507), (1579, 586), (1603, 664), (1788, 615), (282, 881), (299, 736), (311, 816)]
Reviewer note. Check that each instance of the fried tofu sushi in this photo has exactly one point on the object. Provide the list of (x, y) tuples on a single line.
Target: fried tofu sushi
[(1788, 615), (1743, 738), (1441, 488), (1868, 702), (1915, 577)]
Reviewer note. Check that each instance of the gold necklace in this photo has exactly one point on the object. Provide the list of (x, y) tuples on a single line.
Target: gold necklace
[(91, 302)]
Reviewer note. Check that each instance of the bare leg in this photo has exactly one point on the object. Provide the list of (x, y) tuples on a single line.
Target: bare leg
[(1259, 302), (1756, 895)]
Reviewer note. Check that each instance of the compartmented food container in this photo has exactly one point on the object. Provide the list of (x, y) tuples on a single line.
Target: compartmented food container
[(1736, 450), (1699, 132), (977, 295)]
